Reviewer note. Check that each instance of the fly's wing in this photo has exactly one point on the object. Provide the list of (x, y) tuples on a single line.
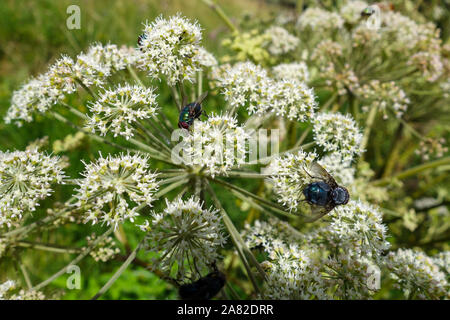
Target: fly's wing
[(316, 171), (317, 212), (201, 97)]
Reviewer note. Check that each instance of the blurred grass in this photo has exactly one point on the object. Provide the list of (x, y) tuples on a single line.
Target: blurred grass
[(33, 34)]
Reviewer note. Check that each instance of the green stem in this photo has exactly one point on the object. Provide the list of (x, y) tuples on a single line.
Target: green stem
[(369, 123), (88, 90), (122, 268), (25, 275), (171, 187), (277, 208), (413, 171), (252, 175), (80, 257), (46, 247), (219, 11), (134, 76), (238, 242)]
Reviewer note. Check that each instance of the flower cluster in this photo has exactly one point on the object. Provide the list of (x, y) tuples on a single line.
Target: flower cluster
[(293, 274), (7, 288), (417, 274), (319, 20), (364, 36), (170, 48), (110, 183), (64, 77), (343, 80), (335, 261), (293, 100), (325, 51), (297, 71), (280, 41), (246, 84), (184, 235), (337, 132), (105, 249), (405, 33), (217, 144), (356, 227), (429, 64), (430, 147), (442, 260), (25, 179), (289, 176), (117, 109), (206, 58), (383, 95), (110, 56), (265, 233)]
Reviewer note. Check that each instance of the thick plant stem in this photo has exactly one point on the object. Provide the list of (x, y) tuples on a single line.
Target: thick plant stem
[(413, 171), (80, 257), (394, 153), (116, 275), (369, 123), (219, 11), (238, 242), (268, 204), (135, 76), (46, 247)]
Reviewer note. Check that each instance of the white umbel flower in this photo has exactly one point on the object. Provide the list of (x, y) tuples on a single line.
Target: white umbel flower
[(117, 109), (25, 179), (292, 99), (417, 275), (430, 64), (289, 177), (104, 251), (185, 235), (64, 77), (111, 56), (111, 183), (265, 233), (403, 33), (246, 84), (442, 259), (217, 144), (384, 95), (319, 20), (356, 227), (31, 97), (336, 132), (170, 48), (8, 288), (5, 287), (280, 41), (291, 71), (206, 58), (293, 274)]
